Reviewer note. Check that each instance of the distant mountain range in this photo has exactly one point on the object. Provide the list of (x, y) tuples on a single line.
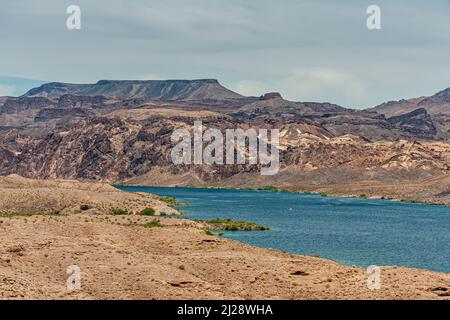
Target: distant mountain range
[(438, 103), (47, 105), (120, 131)]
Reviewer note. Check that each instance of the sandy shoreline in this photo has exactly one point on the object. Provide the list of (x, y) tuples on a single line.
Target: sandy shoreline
[(119, 258)]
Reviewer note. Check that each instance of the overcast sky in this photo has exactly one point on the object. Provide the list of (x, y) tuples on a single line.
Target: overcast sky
[(309, 50)]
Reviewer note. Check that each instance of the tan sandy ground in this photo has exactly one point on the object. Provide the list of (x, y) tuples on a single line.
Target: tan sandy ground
[(22, 195), (434, 190), (175, 261)]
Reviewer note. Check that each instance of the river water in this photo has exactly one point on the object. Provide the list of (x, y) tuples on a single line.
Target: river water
[(350, 231)]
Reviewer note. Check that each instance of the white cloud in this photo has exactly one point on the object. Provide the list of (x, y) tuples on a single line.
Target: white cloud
[(313, 84), (250, 88), (325, 84)]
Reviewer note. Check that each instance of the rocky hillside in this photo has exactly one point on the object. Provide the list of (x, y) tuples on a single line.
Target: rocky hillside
[(139, 145), (340, 121), (120, 131), (437, 106), (438, 103)]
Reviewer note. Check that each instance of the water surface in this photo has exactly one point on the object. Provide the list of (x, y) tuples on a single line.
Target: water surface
[(350, 231)]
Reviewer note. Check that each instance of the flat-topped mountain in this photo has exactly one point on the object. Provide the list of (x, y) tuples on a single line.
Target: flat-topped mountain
[(438, 103), (203, 89)]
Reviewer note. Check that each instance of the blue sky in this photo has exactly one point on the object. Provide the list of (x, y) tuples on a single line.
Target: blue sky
[(315, 50)]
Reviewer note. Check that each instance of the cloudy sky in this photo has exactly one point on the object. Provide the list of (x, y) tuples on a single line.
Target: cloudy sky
[(309, 50)]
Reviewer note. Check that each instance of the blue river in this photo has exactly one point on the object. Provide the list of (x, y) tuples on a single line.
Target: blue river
[(350, 231)]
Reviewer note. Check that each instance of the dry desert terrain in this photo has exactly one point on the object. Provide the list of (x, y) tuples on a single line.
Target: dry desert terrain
[(120, 258)]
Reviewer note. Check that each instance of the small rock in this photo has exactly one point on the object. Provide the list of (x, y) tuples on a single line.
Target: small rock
[(299, 273)]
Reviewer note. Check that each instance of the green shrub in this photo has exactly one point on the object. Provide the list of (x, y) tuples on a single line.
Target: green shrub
[(408, 201), (172, 202), (30, 213), (231, 228), (210, 233), (269, 188), (147, 212), (152, 224), (119, 212), (230, 225)]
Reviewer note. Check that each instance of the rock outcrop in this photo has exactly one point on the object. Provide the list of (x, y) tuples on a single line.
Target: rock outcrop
[(271, 95)]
